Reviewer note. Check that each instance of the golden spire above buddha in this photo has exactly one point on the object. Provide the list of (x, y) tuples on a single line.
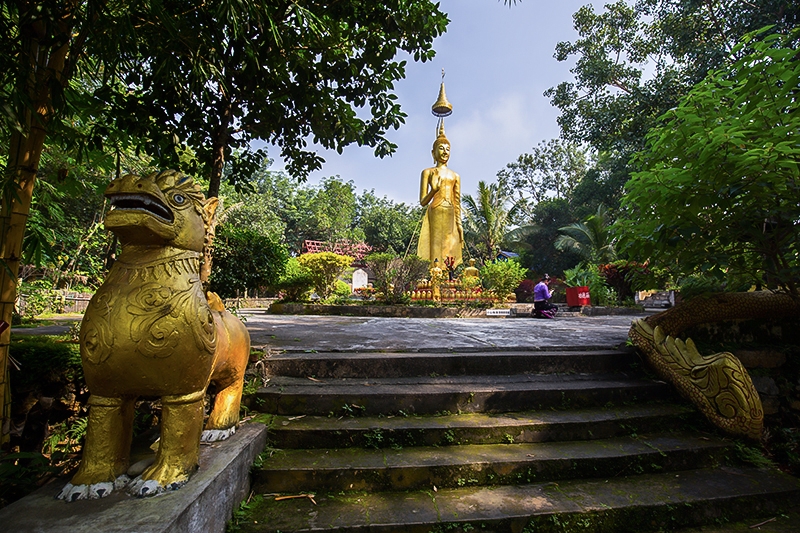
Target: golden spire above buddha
[(442, 235)]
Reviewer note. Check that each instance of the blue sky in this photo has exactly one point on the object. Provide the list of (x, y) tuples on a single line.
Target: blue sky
[(498, 62)]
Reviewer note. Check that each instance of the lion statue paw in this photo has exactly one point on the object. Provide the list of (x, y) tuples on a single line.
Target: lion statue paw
[(94, 491), (144, 488), (215, 435)]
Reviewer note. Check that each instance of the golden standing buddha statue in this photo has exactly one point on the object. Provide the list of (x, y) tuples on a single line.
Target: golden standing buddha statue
[(442, 235)]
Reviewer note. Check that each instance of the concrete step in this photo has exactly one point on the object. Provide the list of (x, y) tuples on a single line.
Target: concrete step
[(622, 504), (575, 440), (454, 394), (453, 466), (475, 428), (323, 365)]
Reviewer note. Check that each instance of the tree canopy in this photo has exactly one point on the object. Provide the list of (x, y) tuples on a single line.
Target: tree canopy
[(721, 180), (216, 76), (552, 170), (635, 60)]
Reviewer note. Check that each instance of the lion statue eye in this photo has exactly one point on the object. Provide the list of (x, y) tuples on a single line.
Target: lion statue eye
[(178, 198)]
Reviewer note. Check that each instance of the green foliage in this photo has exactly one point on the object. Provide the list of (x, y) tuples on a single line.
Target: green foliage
[(324, 269), (278, 72), (243, 513), (633, 61), (341, 292), (590, 239), (334, 208), (502, 277), (64, 239), (331, 211), (624, 277), (395, 276), (751, 455), (259, 208), (39, 298), (552, 170), (20, 474), (296, 283), (245, 261), (580, 276), (647, 277), (587, 275), (47, 367), (534, 242), (386, 225), (719, 191), (486, 219), (66, 437), (699, 285), (46, 386)]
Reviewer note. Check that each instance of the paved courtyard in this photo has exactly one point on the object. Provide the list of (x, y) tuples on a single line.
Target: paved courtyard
[(297, 333), (342, 333)]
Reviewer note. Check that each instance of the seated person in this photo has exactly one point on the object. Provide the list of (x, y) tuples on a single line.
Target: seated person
[(541, 294)]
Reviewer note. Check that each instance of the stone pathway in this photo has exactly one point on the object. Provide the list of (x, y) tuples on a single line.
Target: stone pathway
[(342, 333)]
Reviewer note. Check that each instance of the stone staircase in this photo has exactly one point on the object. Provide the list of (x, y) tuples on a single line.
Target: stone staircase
[(498, 441)]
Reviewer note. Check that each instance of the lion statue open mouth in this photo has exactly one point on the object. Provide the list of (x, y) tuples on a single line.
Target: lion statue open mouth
[(150, 331)]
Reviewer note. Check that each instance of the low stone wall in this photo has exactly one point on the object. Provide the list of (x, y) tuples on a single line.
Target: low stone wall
[(655, 299), (249, 303), (590, 310), (516, 310), (393, 311)]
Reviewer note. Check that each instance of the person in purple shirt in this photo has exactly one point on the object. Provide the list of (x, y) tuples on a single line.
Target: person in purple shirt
[(541, 294)]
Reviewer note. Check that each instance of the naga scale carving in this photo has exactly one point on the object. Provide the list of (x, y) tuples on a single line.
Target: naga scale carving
[(150, 331), (717, 384)]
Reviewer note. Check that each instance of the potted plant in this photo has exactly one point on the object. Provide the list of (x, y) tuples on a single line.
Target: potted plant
[(577, 281)]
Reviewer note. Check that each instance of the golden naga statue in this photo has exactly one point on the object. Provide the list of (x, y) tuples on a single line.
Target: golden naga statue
[(150, 331), (718, 384), (441, 235)]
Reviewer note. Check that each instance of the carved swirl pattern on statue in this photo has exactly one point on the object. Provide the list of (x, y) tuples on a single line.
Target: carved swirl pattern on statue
[(160, 315)]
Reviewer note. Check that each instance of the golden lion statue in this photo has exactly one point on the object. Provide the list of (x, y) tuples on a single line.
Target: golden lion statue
[(150, 331)]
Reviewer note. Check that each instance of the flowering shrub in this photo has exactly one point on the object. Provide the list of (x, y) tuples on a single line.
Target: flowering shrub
[(365, 293)]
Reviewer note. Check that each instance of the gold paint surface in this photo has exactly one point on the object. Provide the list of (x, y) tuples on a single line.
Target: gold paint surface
[(150, 331), (718, 385), (441, 235)]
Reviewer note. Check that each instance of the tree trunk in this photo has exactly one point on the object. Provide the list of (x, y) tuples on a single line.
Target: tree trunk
[(214, 182), (44, 65)]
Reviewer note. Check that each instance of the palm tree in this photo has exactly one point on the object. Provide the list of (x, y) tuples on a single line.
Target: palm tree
[(486, 219), (591, 239)]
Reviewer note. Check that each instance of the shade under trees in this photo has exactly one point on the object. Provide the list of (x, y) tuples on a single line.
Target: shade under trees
[(719, 193), (191, 83)]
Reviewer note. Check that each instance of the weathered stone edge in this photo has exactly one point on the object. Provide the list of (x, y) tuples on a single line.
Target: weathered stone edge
[(204, 504)]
